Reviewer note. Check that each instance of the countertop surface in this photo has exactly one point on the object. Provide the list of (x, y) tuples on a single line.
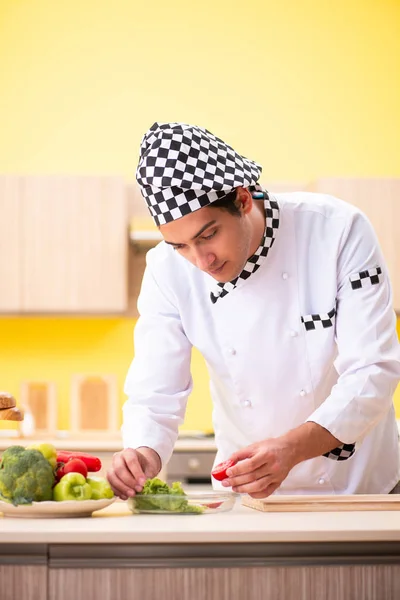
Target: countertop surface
[(89, 444), (116, 525), (97, 443)]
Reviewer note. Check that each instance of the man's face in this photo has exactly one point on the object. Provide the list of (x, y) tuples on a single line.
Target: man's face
[(213, 240)]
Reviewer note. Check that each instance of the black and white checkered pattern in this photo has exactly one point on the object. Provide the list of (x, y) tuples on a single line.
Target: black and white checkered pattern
[(183, 168), (319, 321), (255, 261), (341, 452), (368, 277)]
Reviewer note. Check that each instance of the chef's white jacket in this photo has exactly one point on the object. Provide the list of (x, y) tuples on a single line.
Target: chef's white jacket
[(269, 371)]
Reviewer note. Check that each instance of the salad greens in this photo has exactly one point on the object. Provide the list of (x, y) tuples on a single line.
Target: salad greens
[(158, 495)]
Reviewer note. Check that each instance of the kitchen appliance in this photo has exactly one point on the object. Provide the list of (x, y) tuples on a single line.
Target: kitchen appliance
[(191, 468)]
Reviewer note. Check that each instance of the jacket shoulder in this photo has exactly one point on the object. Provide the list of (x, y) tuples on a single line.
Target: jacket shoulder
[(325, 205)]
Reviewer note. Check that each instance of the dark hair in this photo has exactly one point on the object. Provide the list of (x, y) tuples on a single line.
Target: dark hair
[(227, 203)]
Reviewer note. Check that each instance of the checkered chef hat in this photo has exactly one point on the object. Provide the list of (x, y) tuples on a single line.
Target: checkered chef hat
[(183, 168)]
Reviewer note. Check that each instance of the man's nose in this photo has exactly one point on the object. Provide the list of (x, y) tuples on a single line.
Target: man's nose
[(203, 260)]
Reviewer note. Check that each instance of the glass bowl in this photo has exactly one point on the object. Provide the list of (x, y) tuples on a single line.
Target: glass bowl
[(194, 503)]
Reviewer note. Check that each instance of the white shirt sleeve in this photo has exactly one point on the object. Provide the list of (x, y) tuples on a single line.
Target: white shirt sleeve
[(158, 382), (368, 360)]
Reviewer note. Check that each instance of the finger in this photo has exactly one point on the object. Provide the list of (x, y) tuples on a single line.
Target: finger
[(243, 453), (133, 465), (119, 494), (255, 486), (247, 477), (242, 467), (247, 465), (130, 474), (118, 486), (123, 473), (267, 492)]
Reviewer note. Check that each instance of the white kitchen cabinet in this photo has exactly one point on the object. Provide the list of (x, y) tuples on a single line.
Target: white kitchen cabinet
[(73, 244)]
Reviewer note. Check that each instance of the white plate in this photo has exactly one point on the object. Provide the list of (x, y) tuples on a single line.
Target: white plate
[(55, 510)]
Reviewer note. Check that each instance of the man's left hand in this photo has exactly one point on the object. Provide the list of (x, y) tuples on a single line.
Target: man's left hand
[(261, 467)]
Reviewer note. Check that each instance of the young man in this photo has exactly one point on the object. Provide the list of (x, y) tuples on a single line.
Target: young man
[(288, 298)]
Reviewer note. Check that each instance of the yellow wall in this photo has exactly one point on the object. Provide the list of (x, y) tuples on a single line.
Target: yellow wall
[(47, 348), (307, 88), (43, 349)]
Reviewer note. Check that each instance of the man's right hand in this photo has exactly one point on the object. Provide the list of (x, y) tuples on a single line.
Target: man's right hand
[(130, 468)]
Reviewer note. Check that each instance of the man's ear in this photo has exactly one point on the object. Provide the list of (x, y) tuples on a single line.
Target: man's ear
[(244, 200)]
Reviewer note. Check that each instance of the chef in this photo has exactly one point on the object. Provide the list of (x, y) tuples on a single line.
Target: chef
[(288, 298)]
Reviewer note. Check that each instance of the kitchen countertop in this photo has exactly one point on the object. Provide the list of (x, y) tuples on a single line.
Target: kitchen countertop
[(88, 444), (116, 525)]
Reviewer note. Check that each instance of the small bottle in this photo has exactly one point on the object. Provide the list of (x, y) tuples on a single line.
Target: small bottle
[(27, 426)]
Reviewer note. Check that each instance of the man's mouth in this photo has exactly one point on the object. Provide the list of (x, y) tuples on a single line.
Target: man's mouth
[(217, 271)]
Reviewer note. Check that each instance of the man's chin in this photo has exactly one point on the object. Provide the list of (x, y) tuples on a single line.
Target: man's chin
[(224, 276)]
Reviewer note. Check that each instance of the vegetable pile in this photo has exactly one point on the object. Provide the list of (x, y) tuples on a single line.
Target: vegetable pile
[(25, 476), (158, 495), (38, 473)]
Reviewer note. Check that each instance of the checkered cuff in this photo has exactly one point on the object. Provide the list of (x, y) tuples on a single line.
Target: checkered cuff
[(341, 452)]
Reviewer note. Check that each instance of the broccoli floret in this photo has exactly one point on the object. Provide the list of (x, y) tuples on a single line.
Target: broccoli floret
[(25, 476), (157, 495)]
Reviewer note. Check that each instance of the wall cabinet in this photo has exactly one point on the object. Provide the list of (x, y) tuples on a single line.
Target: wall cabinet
[(10, 245), (64, 245)]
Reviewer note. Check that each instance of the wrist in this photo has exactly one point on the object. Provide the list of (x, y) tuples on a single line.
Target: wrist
[(309, 440), (152, 457)]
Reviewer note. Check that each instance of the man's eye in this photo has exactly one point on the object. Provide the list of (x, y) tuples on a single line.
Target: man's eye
[(208, 237), (177, 247)]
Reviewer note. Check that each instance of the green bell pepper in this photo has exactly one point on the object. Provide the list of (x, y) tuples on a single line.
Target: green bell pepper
[(72, 486), (48, 451), (100, 488)]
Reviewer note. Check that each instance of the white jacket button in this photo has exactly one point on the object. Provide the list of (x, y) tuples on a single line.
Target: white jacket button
[(321, 481), (293, 333), (303, 393), (285, 276), (247, 403), (232, 351)]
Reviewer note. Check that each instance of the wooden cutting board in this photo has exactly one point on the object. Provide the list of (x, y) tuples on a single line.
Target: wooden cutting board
[(323, 503)]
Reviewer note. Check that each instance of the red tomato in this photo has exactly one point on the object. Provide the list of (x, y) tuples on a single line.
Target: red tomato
[(75, 465), (213, 505), (219, 471)]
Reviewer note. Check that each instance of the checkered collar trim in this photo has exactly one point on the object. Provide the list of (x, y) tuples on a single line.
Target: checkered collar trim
[(255, 261)]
